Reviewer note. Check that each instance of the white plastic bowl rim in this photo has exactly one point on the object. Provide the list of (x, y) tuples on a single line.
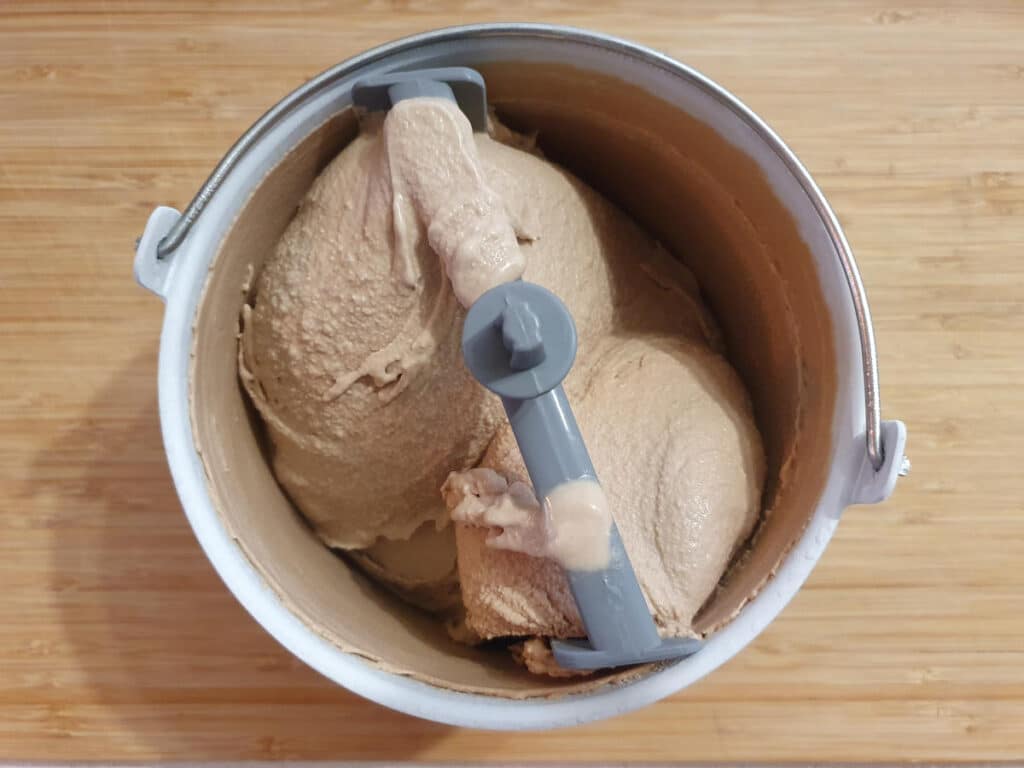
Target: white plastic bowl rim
[(175, 252)]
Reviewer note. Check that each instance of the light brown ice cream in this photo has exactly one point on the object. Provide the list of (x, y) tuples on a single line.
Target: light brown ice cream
[(421, 569), (437, 178), (670, 431), (535, 654), (351, 352)]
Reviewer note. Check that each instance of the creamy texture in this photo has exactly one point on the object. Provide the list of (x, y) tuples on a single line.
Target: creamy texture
[(578, 526), (481, 496), (351, 348), (683, 469), (535, 654), (435, 167), (571, 527), (350, 351), (421, 569)]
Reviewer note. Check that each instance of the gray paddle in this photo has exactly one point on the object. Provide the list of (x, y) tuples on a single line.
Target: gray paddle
[(519, 341)]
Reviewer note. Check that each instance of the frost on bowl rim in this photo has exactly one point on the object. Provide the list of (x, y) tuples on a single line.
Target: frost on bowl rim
[(863, 471)]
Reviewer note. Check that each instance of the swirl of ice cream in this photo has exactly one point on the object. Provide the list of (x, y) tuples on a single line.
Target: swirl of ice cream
[(350, 349)]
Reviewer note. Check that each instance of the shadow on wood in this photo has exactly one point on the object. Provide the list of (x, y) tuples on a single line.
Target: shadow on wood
[(167, 660)]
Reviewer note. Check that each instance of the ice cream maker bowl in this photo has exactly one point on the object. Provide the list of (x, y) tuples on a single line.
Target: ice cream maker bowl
[(687, 161)]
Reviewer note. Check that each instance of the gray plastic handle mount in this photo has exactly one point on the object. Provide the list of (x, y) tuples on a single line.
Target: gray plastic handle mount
[(464, 86)]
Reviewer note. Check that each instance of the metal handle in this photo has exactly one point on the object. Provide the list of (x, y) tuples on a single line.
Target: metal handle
[(326, 79), (272, 117)]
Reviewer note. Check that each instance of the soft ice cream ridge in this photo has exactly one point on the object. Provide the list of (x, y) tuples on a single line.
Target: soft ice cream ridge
[(571, 526)]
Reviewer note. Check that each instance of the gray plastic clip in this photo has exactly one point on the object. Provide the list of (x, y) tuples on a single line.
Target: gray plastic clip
[(464, 86), (519, 341)]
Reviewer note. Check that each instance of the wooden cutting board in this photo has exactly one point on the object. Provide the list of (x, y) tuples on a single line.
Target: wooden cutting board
[(117, 641)]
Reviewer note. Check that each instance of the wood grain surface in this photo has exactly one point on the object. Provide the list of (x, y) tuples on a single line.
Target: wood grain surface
[(118, 641)]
